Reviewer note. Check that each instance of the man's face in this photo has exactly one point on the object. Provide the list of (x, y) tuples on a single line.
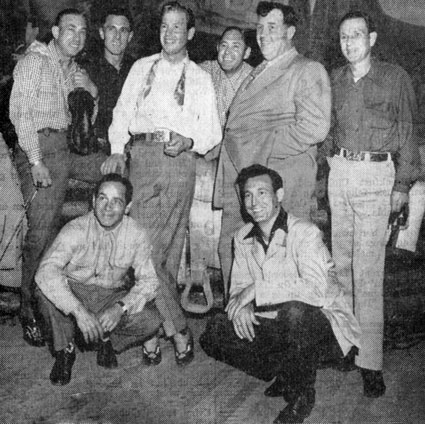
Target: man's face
[(116, 34), (70, 35), (109, 204), (273, 36), (260, 200), (355, 40), (174, 34), (232, 51)]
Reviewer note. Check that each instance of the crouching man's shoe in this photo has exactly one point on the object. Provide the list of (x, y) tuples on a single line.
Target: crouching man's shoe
[(299, 409), (278, 388), (373, 383), (106, 356), (61, 371)]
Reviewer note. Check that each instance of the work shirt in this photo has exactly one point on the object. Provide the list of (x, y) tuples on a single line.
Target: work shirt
[(109, 82), (376, 114), (225, 86), (87, 253), (294, 266), (148, 103), (39, 97)]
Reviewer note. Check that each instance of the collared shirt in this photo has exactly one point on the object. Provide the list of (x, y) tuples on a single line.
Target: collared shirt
[(39, 97), (225, 86), (109, 82), (376, 114), (197, 118), (88, 254), (296, 266), (281, 222)]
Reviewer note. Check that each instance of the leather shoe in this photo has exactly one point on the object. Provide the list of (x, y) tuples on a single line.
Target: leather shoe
[(373, 383), (106, 356), (347, 363), (299, 409), (185, 357), (278, 388), (61, 371)]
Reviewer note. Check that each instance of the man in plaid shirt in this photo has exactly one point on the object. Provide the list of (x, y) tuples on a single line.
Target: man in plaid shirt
[(39, 111)]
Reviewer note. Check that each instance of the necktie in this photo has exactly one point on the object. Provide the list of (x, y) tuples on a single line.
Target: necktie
[(254, 74)]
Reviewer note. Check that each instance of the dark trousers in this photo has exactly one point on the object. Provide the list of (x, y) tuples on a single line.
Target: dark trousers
[(132, 329), (289, 346), (163, 195), (45, 211)]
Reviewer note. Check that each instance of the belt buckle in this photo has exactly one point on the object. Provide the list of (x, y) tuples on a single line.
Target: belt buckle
[(161, 135)]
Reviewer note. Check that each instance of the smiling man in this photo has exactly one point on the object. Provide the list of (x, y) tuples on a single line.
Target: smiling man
[(82, 281), (111, 69), (285, 305), (279, 114), (39, 111), (167, 113)]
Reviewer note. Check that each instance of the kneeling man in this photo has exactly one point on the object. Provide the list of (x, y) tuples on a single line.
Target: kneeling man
[(286, 307), (82, 280)]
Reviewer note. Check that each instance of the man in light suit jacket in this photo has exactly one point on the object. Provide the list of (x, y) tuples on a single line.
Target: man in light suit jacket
[(286, 307), (280, 113)]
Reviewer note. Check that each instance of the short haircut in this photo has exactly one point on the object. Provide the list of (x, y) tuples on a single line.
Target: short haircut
[(255, 171), (235, 28), (356, 14), (117, 11), (289, 16), (177, 7), (69, 11), (116, 178)]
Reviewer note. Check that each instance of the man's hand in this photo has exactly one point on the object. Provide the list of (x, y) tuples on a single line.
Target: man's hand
[(88, 324), (111, 317), (82, 79), (40, 175), (244, 321), (114, 163), (177, 145), (398, 199), (236, 303)]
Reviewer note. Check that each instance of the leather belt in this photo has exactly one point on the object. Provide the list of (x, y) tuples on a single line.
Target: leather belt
[(47, 131), (158, 136), (363, 156)]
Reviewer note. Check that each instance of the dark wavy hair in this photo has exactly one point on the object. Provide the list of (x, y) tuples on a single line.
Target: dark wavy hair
[(289, 16), (255, 171), (116, 178), (356, 14)]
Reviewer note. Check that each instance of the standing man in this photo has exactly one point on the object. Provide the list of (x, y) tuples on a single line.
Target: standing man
[(285, 305), (110, 70), (167, 110), (40, 113), (230, 68), (371, 171), (278, 116)]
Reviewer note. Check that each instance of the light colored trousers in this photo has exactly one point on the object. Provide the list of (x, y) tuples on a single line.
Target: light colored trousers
[(360, 200)]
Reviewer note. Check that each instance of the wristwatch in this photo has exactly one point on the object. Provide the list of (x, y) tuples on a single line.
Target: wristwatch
[(124, 308)]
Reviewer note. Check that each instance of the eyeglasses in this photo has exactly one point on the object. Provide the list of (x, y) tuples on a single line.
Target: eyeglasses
[(354, 37)]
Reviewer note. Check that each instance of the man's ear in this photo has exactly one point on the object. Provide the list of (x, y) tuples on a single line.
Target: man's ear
[(130, 36), (127, 208), (291, 32), (279, 193), (191, 33), (101, 34), (372, 38), (247, 53), (55, 32)]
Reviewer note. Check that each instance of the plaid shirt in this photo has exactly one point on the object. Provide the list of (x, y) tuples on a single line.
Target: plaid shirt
[(39, 97), (225, 87)]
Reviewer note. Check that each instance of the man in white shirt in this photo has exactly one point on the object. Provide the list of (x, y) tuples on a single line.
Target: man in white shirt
[(168, 106)]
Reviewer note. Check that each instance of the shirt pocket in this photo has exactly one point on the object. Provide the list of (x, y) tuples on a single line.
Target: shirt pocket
[(378, 109)]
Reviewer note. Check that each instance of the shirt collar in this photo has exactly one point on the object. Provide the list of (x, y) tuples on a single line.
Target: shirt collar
[(281, 223), (102, 231)]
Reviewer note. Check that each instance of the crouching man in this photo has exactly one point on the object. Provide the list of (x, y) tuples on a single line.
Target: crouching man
[(286, 307), (81, 281)]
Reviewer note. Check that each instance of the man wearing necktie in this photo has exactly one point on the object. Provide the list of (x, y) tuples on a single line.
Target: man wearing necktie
[(280, 113), (167, 112), (82, 282)]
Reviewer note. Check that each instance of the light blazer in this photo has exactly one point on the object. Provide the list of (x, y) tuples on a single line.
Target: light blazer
[(297, 266)]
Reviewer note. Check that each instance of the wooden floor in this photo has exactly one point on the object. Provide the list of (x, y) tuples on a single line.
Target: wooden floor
[(204, 392)]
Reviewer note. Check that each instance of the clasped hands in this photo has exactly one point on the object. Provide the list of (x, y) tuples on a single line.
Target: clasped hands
[(240, 310)]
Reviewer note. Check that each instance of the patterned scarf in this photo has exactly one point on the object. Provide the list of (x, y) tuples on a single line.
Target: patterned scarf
[(179, 90)]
